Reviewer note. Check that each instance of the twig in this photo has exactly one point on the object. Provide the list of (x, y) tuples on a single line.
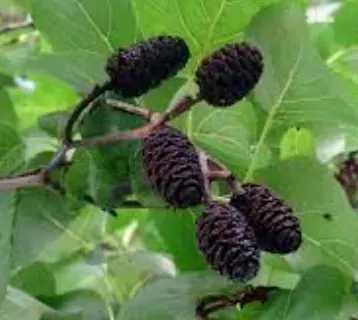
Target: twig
[(203, 159), (113, 137), (183, 105), (16, 26), (126, 107), (211, 304), (219, 172), (80, 107), (23, 181)]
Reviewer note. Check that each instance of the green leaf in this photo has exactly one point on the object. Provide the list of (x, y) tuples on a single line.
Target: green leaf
[(53, 123), (13, 58), (318, 296), (345, 23), (41, 212), (349, 308), (226, 134), (296, 86), (81, 69), (88, 25), (17, 304), (178, 232), (113, 160), (345, 63), (129, 271), (36, 280), (80, 274), (173, 298), (49, 95), (7, 201), (85, 304), (11, 150), (323, 37), (8, 114), (297, 142), (328, 223), (205, 25)]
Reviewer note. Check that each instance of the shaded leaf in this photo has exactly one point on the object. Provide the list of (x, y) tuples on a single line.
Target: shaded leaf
[(8, 114), (85, 304), (62, 232), (53, 123), (173, 298), (177, 228), (17, 304), (11, 150), (7, 203), (129, 271), (36, 280)]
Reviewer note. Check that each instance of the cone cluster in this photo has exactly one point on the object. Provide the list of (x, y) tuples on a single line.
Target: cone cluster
[(230, 235)]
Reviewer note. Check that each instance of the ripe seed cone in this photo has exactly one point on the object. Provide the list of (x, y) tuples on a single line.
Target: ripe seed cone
[(173, 167), (227, 242), (229, 74), (144, 65), (276, 227)]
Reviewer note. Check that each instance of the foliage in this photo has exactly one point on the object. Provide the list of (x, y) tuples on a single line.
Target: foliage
[(64, 258)]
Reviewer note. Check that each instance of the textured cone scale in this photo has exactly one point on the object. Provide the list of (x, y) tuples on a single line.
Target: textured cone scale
[(227, 242), (276, 228), (229, 74), (347, 175), (173, 167), (144, 65)]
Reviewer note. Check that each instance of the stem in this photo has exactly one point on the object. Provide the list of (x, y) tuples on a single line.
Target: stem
[(32, 180), (126, 107), (80, 107), (203, 159), (139, 133), (211, 304), (183, 105), (218, 171)]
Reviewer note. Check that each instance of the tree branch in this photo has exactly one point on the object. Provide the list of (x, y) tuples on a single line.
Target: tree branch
[(217, 171), (113, 137), (211, 304), (24, 181), (80, 107), (183, 105), (128, 108)]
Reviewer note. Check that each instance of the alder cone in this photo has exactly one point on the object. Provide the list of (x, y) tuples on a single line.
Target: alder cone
[(144, 65), (229, 74), (227, 242), (173, 167), (276, 227)]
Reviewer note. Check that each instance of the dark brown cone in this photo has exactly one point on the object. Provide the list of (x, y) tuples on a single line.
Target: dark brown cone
[(144, 65), (173, 167), (276, 227), (347, 176), (227, 242), (229, 74)]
